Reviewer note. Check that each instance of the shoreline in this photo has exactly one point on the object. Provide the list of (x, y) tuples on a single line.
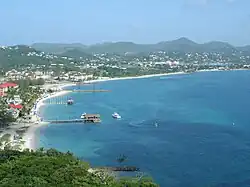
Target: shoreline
[(135, 77), (104, 79), (30, 135)]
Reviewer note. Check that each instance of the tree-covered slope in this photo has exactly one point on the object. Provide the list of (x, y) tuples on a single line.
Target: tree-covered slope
[(56, 48), (55, 169), (13, 56)]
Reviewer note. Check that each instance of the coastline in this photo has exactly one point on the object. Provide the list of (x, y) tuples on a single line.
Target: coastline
[(29, 135), (135, 77)]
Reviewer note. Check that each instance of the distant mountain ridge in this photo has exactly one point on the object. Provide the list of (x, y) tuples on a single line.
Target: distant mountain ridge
[(180, 45), (57, 48)]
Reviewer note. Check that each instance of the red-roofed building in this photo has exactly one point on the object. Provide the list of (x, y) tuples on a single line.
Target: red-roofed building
[(5, 86), (16, 106)]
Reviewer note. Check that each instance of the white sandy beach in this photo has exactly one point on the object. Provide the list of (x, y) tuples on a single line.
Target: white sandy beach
[(29, 135), (137, 77)]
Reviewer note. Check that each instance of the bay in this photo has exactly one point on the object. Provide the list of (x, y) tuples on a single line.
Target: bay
[(201, 137)]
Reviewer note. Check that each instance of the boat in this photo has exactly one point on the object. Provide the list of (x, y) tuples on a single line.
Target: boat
[(83, 115), (116, 115), (70, 101)]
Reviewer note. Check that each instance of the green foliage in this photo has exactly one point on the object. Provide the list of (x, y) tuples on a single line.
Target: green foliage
[(5, 116), (24, 83), (57, 48), (53, 168)]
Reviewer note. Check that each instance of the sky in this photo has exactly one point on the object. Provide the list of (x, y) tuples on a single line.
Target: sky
[(139, 21)]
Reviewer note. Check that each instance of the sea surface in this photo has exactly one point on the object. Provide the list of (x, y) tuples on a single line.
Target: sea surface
[(189, 130)]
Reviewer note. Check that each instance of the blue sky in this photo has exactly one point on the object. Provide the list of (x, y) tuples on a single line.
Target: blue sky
[(140, 21)]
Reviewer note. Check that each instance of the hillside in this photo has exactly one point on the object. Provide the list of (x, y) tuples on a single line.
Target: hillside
[(53, 168), (57, 48), (75, 53), (19, 55), (179, 45)]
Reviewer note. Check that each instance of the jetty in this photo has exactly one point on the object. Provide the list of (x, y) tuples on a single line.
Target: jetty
[(75, 90), (88, 118), (65, 121), (122, 168)]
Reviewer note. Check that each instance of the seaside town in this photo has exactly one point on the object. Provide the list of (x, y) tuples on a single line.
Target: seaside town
[(125, 93), (29, 76)]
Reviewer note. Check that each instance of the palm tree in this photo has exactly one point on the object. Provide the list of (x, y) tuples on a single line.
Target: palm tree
[(11, 92)]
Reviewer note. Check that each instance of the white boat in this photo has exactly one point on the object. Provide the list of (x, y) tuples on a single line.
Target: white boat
[(70, 101), (83, 115), (116, 115)]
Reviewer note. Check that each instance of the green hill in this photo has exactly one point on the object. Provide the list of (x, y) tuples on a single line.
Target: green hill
[(57, 48), (76, 53), (55, 169), (19, 55)]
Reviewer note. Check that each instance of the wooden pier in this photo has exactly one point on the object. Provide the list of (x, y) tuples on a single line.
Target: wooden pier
[(66, 121), (88, 118), (122, 168), (89, 90), (59, 100)]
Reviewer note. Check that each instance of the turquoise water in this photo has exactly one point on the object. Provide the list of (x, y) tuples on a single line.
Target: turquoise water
[(203, 133)]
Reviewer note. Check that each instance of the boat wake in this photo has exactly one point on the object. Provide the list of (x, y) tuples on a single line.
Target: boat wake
[(137, 123)]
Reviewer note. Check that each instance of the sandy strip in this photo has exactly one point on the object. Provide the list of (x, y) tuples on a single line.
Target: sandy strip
[(40, 101), (29, 135), (137, 77)]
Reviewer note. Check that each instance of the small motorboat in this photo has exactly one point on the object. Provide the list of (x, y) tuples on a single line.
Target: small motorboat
[(116, 115), (70, 101), (83, 115)]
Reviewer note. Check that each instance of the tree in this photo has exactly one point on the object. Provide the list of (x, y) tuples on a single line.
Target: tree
[(53, 168), (40, 81)]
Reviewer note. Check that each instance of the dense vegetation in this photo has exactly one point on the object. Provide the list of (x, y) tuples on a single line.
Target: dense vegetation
[(55, 169), (5, 116)]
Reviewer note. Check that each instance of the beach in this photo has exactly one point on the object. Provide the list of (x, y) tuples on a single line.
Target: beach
[(29, 135), (20, 135), (135, 77)]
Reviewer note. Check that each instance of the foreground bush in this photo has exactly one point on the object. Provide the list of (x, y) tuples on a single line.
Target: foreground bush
[(52, 168)]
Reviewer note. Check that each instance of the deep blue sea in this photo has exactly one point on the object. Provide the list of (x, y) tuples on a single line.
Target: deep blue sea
[(203, 133)]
